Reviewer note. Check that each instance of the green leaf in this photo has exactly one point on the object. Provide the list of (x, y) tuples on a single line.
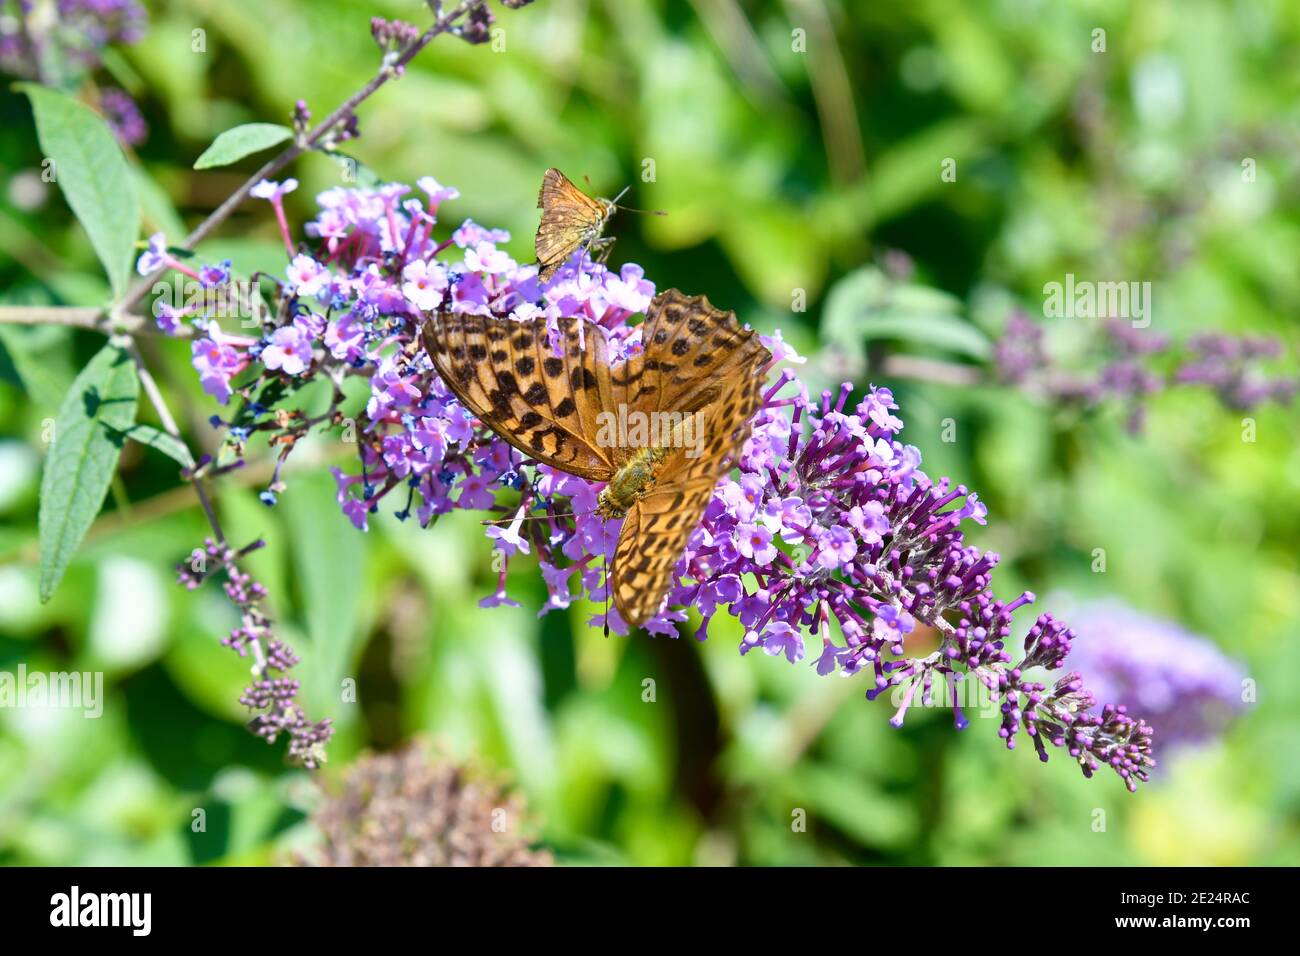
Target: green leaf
[(38, 357), (94, 176), (865, 306), (234, 144), (157, 206), (159, 440), (947, 332), (329, 566), (83, 457), (856, 294)]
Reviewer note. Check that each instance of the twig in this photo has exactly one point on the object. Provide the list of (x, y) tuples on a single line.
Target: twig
[(75, 316), (84, 317), (121, 321), (230, 565), (169, 426), (343, 112)]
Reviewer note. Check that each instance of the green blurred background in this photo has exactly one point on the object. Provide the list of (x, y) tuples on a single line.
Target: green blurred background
[(781, 171)]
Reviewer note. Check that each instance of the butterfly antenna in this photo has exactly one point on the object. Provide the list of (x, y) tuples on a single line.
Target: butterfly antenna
[(606, 556), (648, 212), (541, 517)]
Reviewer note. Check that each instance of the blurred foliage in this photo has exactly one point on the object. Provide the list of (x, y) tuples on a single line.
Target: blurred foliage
[(782, 172)]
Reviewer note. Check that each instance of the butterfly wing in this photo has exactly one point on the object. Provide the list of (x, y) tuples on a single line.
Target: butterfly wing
[(543, 403), (657, 527), (653, 537), (695, 353), (568, 216)]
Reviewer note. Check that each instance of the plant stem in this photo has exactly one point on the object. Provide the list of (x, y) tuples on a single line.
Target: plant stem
[(342, 113), (84, 317), (75, 316), (155, 396)]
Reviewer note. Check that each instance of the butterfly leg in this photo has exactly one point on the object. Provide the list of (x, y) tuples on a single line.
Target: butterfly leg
[(601, 248)]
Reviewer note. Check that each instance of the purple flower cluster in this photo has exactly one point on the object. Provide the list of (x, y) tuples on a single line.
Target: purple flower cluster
[(123, 116), (1229, 365), (79, 30), (877, 547), (359, 298), (828, 529), (1181, 682), (1130, 365), (62, 49), (102, 22), (275, 698)]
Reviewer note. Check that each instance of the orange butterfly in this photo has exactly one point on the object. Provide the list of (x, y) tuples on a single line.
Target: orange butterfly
[(571, 220), (699, 376)]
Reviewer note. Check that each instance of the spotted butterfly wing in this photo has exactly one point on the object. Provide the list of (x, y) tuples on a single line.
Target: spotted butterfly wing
[(548, 405), (543, 402), (696, 357), (693, 353), (570, 219)]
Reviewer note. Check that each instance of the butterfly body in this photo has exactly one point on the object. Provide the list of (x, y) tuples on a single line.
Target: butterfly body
[(632, 482), (698, 366), (571, 221), (592, 236)]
